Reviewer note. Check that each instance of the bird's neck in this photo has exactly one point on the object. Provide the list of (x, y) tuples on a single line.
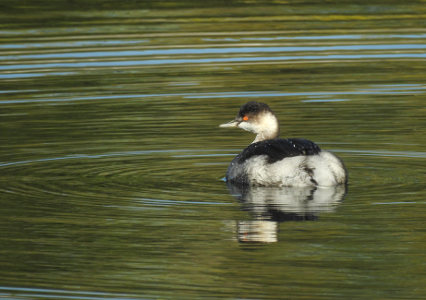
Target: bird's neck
[(268, 128)]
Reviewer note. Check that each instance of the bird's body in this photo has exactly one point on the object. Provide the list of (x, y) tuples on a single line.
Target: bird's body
[(271, 161)]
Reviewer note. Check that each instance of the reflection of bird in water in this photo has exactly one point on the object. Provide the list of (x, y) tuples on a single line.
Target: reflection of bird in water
[(270, 161), (271, 205)]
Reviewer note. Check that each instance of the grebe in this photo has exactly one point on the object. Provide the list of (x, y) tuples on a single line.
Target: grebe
[(271, 161)]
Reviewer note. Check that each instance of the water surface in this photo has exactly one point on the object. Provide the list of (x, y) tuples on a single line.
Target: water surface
[(111, 158)]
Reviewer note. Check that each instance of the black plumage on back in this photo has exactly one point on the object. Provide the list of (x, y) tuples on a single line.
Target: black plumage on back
[(277, 149)]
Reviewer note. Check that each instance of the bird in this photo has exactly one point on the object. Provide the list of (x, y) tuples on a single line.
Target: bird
[(273, 161)]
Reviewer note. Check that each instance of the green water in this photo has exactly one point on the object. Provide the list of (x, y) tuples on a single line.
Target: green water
[(111, 159)]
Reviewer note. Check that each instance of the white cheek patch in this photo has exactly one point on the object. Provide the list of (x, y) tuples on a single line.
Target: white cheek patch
[(248, 126)]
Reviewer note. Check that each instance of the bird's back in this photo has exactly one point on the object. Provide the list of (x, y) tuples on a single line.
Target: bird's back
[(278, 149)]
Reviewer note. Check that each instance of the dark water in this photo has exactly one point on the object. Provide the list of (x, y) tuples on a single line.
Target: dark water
[(111, 158)]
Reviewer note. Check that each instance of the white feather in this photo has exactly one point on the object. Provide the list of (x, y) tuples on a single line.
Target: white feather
[(326, 170)]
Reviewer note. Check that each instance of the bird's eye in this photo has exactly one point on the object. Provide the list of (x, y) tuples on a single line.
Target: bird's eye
[(245, 118)]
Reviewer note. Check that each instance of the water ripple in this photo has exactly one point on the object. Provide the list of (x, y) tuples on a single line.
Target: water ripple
[(106, 178), (323, 37), (13, 292), (90, 156), (94, 54), (385, 153), (70, 44), (195, 153), (376, 90), (151, 62)]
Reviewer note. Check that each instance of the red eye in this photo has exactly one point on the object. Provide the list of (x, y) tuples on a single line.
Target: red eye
[(245, 118)]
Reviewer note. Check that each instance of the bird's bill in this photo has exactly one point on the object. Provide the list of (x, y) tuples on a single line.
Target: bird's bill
[(233, 123)]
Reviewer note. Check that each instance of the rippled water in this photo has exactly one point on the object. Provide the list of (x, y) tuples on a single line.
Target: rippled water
[(111, 158)]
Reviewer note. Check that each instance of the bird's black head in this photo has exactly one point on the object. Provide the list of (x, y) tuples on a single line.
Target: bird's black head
[(258, 118), (253, 108)]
